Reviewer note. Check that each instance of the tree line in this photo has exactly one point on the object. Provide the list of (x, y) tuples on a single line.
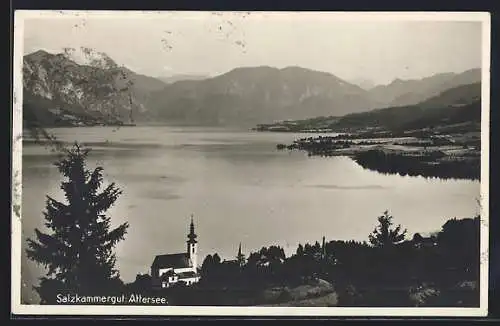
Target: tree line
[(427, 165), (388, 270)]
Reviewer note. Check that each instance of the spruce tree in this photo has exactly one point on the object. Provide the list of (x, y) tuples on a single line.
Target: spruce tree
[(384, 234), (78, 249)]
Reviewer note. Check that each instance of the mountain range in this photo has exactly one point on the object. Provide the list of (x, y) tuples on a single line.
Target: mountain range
[(458, 107), (410, 92), (461, 104), (86, 87), (258, 94)]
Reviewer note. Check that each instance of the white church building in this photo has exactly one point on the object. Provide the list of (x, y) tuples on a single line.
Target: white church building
[(169, 269)]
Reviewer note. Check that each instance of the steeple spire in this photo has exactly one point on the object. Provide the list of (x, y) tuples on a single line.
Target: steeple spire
[(192, 246), (192, 236)]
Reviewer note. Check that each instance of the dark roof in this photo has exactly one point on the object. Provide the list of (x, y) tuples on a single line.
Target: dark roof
[(187, 274), (171, 260)]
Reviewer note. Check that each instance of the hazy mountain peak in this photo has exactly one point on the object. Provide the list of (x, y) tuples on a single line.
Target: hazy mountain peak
[(299, 69), (402, 92), (259, 94), (255, 68), (365, 84), (39, 53), (296, 68)]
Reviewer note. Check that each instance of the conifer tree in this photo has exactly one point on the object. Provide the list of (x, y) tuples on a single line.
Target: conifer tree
[(78, 249), (384, 234)]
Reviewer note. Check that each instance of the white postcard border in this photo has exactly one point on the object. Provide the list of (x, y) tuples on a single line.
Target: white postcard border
[(16, 208)]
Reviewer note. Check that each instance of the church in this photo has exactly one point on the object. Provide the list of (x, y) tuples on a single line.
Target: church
[(170, 269)]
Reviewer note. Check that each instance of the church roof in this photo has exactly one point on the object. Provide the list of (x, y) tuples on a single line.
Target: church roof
[(187, 274), (172, 261)]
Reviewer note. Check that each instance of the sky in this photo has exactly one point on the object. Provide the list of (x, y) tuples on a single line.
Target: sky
[(202, 43)]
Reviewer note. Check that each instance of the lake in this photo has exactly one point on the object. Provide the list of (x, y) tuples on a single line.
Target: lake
[(239, 188)]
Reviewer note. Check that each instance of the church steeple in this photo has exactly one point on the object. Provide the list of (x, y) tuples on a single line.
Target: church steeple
[(192, 236), (192, 245)]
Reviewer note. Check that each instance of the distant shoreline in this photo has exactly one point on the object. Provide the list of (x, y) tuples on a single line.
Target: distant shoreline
[(452, 156)]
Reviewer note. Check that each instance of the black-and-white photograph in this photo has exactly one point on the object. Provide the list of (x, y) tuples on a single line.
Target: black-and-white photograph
[(250, 163)]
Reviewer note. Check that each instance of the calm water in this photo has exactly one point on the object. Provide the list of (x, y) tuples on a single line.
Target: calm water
[(239, 188)]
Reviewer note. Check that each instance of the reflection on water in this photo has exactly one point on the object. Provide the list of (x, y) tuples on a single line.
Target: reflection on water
[(239, 188)]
